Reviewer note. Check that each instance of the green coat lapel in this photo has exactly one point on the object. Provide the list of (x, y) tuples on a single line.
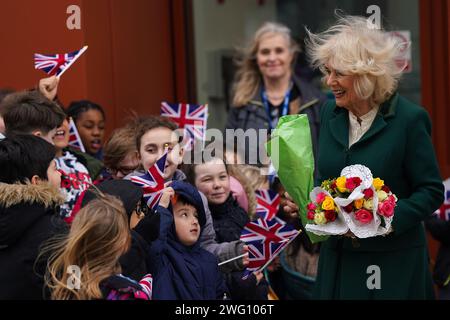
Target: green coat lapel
[(387, 110), (339, 127)]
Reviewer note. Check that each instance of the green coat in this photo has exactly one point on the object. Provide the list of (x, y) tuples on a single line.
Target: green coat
[(398, 149)]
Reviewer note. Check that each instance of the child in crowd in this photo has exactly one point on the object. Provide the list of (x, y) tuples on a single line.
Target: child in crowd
[(242, 189), (119, 153), (31, 112), (155, 136), (29, 196), (254, 175), (89, 118), (98, 237), (75, 177), (212, 179), (184, 271)]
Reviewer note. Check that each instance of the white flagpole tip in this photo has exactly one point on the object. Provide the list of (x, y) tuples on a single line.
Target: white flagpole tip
[(82, 50)]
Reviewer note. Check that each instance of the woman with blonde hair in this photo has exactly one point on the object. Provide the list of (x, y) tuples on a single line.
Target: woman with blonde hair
[(372, 125), (84, 265), (266, 89)]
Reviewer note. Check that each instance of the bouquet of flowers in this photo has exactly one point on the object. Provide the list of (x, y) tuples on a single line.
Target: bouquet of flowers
[(324, 214), (365, 206)]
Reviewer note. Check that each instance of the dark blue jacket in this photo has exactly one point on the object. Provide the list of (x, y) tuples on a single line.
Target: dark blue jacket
[(181, 272)]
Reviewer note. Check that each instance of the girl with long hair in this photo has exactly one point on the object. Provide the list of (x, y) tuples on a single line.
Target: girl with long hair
[(85, 265)]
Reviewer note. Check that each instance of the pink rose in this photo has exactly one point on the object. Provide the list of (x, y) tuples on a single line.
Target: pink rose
[(386, 208), (368, 193), (311, 206), (364, 216), (311, 215), (320, 197)]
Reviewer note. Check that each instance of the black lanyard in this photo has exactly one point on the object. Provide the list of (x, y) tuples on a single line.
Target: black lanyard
[(284, 108)]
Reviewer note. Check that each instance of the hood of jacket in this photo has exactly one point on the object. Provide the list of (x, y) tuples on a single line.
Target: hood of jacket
[(21, 205)]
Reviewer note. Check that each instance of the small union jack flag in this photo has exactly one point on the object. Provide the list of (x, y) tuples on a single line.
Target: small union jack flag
[(147, 285), (152, 182), (190, 117), (74, 138), (444, 211), (265, 240), (56, 64), (267, 203)]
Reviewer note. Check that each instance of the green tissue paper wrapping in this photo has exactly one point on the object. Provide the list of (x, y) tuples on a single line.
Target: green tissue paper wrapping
[(291, 152)]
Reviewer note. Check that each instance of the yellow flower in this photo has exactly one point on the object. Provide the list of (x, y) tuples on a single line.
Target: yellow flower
[(368, 204), (378, 183), (319, 218), (358, 203), (381, 195), (328, 203), (340, 184)]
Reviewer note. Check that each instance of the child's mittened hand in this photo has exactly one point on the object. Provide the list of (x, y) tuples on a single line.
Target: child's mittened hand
[(167, 194)]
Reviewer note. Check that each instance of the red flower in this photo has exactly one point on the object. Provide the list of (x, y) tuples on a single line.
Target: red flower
[(364, 216), (311, 215), (330, 215), (320, 197), (333, 185), (386, 208), (386, 189), (368, 193), (348, 208), (352, 183), (311, 206)]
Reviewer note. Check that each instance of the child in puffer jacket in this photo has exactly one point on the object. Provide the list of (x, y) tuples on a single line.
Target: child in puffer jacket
[(212, 179)]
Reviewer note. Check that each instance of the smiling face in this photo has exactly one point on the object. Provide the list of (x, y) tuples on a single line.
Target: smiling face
[(61, 138), (154, 144), (274, 58), (53, 175), (212, 179), (91, 127), (343, 87), (186, 222)]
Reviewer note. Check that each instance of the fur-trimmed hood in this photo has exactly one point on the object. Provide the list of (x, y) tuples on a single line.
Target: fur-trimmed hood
[(44, 193), (23, 206)]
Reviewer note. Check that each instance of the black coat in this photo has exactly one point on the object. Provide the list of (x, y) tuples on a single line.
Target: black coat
[(253, 116), (136, 262), (28, 218), (228, 219)]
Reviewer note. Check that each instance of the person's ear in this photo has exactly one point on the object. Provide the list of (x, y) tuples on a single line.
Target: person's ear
[(35, 179), (37, 133), (181, 152), (138, 155)]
